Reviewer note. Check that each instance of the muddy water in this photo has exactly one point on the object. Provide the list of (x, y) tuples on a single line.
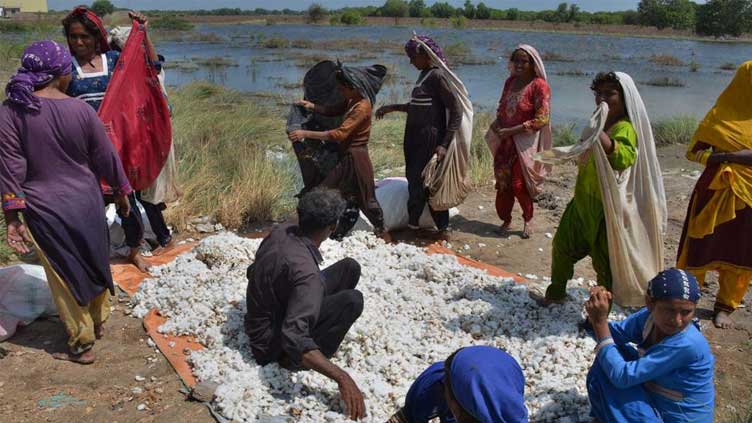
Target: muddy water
[(278, 70)]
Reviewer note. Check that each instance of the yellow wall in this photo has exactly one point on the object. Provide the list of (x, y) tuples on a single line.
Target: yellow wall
[(27, 6)]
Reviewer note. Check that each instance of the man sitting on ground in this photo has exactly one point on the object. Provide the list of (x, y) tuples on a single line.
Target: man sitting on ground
[(297, 314)]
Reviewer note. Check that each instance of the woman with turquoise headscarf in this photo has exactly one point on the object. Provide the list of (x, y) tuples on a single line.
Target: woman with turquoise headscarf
[(655, 366), (475, 384)]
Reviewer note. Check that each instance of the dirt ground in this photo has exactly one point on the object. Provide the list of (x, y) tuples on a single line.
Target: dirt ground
[(36, 388)]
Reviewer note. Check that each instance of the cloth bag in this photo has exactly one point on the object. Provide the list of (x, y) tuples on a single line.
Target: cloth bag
[(634, 201), (135, 113), (448, 180), (165, 188)]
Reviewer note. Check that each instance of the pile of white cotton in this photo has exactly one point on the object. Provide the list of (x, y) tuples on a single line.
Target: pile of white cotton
[(419, 308)]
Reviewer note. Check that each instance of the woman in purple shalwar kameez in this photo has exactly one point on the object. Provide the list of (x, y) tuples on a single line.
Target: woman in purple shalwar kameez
[(53, 152)]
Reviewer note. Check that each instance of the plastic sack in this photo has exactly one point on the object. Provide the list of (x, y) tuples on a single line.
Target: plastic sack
[(392, 195), (24, 297)]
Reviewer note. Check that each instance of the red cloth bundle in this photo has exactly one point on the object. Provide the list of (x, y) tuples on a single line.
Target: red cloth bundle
[(135, 113)]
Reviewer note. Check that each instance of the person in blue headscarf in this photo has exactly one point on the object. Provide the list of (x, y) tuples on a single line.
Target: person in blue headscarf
[(475, 384), (668, 376)]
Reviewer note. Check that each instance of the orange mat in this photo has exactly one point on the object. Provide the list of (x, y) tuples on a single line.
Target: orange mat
[(491, 270), (175, 354), (129, 278)]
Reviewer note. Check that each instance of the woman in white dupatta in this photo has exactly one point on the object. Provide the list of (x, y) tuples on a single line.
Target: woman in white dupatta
[(618, 214), (522, 128)]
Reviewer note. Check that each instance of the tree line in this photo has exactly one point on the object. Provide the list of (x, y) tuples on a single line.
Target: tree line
[(716, 18)]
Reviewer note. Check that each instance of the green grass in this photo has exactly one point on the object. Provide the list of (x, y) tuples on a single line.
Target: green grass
[(564, 134), (481, 159), (170, 23), (6, 254), (675, 130), (226, 143)]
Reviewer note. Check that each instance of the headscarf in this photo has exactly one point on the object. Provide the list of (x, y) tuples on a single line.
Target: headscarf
[(367, 80), (41, 62), (104, 46), (540, 69), (727, 127), (674, 284), (634, 200), (534, 172), (489, 385), (412, 47)]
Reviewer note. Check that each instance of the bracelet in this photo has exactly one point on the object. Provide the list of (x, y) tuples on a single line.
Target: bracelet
[(603, 343)]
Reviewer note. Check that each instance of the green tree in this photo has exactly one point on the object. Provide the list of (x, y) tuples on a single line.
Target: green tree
[(315, 13), (561, 14), (482, 11), (416, 8), (102, 7), (350, 17), (513, 14), (442, 10), (724, 17), (573, 14), (469, 10), (395, 9), (677, 14)]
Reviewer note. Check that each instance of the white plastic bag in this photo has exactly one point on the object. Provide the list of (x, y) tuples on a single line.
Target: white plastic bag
[(24, 296), (392, 195)]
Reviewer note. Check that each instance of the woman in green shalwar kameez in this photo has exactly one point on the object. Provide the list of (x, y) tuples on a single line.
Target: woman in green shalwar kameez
[(582, 230)]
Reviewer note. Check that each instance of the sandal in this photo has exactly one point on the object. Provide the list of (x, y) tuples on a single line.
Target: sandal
[(85, 358)]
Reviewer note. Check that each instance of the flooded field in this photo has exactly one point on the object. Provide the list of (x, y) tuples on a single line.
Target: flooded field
[(676, 77)]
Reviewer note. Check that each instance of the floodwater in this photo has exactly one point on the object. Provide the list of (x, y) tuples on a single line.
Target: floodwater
[(274, 70)]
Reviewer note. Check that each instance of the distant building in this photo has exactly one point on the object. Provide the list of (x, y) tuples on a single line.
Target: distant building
[(9, 8)]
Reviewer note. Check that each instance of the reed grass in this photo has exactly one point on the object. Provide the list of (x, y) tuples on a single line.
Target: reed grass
[(481, 159), (665, 81), (666, 60), (728, 66), (225, 143), (550, 56), (675, 130)]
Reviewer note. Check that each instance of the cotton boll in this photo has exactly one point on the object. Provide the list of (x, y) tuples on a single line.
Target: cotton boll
[(419, 309)]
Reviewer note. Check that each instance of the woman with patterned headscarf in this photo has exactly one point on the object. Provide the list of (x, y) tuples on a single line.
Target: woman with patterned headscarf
[(716, 233), (434, 116), (353, 174), (94, 64), (53, 153), (655, 366), (521, 129)]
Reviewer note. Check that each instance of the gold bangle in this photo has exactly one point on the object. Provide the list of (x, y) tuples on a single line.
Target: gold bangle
[(704, 156)]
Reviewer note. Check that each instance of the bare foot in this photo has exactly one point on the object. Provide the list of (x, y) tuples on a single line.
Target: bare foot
[(442, 235), (723, 320), (86, 357), (528, 230), (163, 249), (99, 331), (542, 300), (139, 261), (504, 228), (385, 236)]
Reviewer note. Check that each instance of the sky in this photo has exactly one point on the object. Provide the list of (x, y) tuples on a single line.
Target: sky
[(589, 5)]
